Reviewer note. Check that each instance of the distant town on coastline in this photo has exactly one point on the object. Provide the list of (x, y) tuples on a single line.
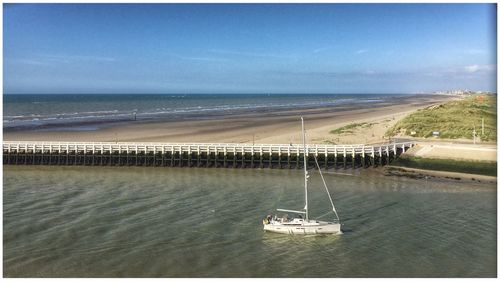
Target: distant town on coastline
[(462, 92)]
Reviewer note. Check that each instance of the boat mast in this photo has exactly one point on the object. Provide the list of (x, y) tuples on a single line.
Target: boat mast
[(305, 166)]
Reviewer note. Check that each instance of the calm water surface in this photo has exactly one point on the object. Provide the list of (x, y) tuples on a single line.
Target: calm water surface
[(157, 222)]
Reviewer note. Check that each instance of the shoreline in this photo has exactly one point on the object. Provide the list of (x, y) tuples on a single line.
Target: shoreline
[(413, 173), (273, 126)]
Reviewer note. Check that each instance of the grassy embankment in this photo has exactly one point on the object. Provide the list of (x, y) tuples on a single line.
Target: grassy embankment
[(454, 120), (448, 165)]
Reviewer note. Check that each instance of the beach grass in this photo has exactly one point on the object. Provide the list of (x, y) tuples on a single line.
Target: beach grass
[(448, 165), (453, 120), (351, 127)]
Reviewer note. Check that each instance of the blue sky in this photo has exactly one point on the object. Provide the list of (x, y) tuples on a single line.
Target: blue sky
[(248, 48)]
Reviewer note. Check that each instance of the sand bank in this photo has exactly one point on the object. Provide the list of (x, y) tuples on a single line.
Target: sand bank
[(441, 175)]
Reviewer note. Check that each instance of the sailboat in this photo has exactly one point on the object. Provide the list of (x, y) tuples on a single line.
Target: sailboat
[(303, 225)]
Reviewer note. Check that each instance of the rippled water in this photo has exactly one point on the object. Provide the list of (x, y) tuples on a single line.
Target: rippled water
[(72, 111), (160, 222)]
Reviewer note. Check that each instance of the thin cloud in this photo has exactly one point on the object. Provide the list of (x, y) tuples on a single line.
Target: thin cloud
[(475, 51), (250, 54), (319, 50), (471, 68), (198, 58), (467, 69), (362, 51), (257, 34), (55, 59), (476, 68), (26, 61), (336, 74), (460, 71)]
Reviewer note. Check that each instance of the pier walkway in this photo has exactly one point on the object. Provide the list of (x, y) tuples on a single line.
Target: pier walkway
[(235, 155)]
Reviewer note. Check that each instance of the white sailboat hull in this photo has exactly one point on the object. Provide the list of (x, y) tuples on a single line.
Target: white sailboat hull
[(305, 228)]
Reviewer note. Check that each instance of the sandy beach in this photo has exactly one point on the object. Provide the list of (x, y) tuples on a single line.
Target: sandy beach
[(268, 127)]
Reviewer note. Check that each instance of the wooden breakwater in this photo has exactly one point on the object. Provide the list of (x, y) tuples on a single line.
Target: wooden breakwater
[(234, 155)]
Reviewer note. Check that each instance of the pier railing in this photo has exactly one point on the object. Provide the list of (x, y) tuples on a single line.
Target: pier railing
[(197, 154)]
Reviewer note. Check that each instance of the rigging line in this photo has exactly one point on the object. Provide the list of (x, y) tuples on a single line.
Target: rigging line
[(324, 183), (327, 213)]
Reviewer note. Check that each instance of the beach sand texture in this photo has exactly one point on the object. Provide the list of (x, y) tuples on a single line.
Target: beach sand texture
[(456, 151)]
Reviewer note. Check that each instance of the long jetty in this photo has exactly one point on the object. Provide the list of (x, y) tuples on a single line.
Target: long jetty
[(234, 155)]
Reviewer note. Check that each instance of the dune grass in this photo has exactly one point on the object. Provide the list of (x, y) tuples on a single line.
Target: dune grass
[(351, 127), (453, 120)]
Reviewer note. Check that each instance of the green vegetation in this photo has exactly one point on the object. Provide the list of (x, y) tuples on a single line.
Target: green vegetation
[(469, 167), (350, 128), (453, 120), (329, 142)]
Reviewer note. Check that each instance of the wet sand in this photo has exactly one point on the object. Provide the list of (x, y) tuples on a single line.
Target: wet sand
[(430, 175)]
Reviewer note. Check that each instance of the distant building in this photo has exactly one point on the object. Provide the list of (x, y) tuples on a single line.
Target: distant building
[(459, 92)]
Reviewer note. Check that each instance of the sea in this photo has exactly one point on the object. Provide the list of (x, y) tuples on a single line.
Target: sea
[(202, 222), (94, 111)]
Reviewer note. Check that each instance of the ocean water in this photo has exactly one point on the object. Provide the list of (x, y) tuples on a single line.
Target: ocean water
[(196, 222), (80, 111)]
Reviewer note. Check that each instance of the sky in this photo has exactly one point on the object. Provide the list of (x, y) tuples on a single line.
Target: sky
[(248, 48)]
